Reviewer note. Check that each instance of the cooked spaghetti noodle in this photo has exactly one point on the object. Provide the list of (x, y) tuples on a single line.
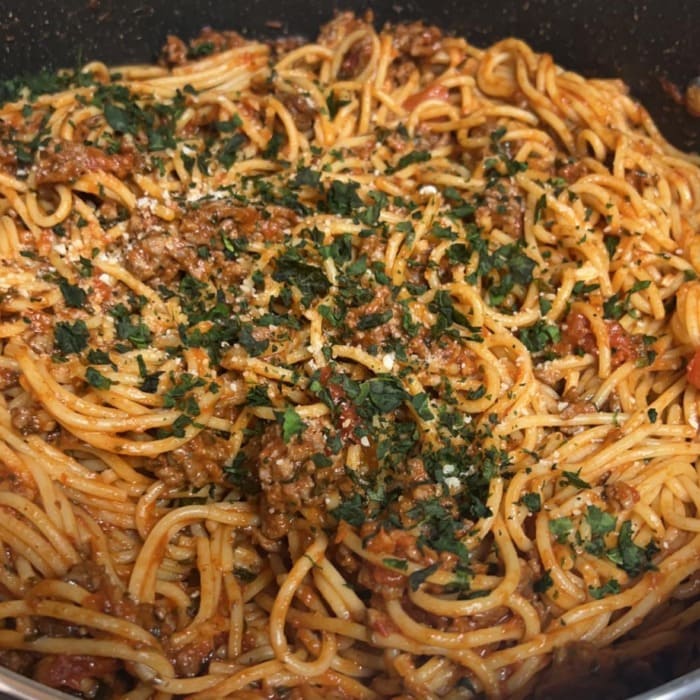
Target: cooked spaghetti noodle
[(362, 368)]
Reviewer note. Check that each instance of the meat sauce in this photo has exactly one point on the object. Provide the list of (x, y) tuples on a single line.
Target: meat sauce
[(577, 334), (64, 161)]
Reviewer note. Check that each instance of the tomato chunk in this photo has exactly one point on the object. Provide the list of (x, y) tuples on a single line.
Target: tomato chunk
[(432, 92), (694, 370)]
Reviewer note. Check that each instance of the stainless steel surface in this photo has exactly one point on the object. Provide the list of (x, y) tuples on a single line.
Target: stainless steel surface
[(684, 688), (16, 687)]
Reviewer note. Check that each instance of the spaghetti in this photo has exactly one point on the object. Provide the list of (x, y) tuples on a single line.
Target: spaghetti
[(360, 368)]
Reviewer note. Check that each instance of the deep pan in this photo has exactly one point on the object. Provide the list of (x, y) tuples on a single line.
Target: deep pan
[(335, 367)]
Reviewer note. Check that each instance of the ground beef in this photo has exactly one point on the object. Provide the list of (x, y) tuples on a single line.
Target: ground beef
[(82, 674), (577, 334), (692, 97), (339, 27), (8, 156), (283, 45), (397, 543), (8, 378), (620, 495), (192, 659), (381, 303), (451, 355), (435, 91), (220, 41), (29, 420), (65, 161), (159, 258), (502, 207), (415, 45), (302, 109), (577, 407), (625, 346), (90, 576), (356, 59), (426, 139), (198, 462), (348, 419), (571, 171), (53, 627), (39, 335), (205, 224), (157, 618), (176, 52), (290, 479), (388, 583), (416, 39)]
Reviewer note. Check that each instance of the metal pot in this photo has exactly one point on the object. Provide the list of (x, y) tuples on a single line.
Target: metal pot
[(645, 44)]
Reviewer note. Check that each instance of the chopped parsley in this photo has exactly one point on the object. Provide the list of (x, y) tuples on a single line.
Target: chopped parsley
[(532, 501), (73, 295), (70, 338), (611, 587), (561, 528), (95, 378), (629, 556), (351, 511), (292, 424), (544, 583), (573, 479)]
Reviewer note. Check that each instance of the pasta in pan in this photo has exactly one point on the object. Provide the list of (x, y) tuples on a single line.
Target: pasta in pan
[(362, 368)]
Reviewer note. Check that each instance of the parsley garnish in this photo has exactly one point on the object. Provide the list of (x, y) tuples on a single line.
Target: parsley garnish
[(97, 379), (292, 424), (273, 145), (617, 305), (409, 159), (611, 587), (532, 501), (421, 405), (73, 295), (399, 564), (70, 338), (540, 206), (204, 48), (539, 336), (226, 155), (257, 396), (630, 557), (543, 583), (351, 511), (100, 357), (561, 528), (573, 479), (599, 521), (342, 198), (369, 321), (422, 575), (309, 279), (334, 104)]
